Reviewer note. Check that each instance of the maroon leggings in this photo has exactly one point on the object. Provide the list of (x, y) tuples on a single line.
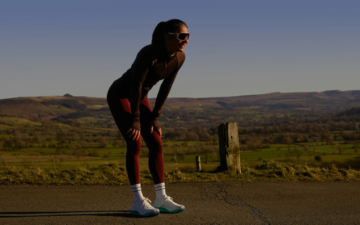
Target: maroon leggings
[(121, 111)]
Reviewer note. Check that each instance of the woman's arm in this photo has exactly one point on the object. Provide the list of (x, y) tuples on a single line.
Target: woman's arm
[(140, 69), (165, 90)]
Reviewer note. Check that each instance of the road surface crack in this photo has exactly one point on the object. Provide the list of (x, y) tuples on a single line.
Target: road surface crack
[(219, 191)]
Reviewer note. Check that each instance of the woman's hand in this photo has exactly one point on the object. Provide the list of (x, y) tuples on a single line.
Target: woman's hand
[(152, 129), (133, 134)]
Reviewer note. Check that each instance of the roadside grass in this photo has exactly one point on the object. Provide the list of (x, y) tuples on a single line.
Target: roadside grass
[(115, 174), (43, 157), (274, 164)]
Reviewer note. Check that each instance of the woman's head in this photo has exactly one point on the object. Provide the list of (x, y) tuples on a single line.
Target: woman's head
[(167, 34)]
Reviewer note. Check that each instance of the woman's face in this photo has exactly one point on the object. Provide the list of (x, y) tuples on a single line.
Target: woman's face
[(173, 44)]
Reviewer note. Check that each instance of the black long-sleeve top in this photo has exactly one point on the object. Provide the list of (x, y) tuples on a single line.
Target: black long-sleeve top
[(152, 63)]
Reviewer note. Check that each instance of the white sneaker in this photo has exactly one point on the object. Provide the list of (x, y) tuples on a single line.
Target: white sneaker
[(143, 208), (168, 205)]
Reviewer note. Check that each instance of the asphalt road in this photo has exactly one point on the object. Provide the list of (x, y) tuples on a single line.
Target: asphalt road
[(206, 203)]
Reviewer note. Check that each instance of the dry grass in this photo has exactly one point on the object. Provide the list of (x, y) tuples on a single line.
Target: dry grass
[(114, 174)]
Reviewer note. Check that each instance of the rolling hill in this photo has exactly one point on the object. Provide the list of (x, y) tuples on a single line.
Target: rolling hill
[(68, 106)]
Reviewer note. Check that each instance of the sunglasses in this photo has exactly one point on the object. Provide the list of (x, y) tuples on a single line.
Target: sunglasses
[(181, 36)]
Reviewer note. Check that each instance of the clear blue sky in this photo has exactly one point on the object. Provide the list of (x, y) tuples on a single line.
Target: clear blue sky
[(236, 47)]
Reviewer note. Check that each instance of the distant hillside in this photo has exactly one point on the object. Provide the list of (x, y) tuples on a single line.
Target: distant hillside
[(296, 100), (349, 112), (72, 107), (47, 108)]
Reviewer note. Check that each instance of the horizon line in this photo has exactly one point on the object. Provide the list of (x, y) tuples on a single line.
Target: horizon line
[(187, 97)]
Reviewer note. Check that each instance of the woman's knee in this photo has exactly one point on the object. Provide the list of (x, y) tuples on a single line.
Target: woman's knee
[(155, 148), (133, 146), (159, 145)]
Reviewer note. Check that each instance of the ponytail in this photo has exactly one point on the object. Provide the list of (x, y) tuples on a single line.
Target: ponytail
[(158, 34), (162, 28)]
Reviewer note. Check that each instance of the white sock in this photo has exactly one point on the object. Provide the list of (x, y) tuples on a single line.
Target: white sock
[(136, 189), (160, 190)]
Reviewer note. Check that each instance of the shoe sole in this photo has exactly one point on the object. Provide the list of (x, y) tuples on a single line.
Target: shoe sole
[(167, 211), (133, 212)]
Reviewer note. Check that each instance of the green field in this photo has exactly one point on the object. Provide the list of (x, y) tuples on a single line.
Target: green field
[(94, 155), (44, 152), (49, 158)]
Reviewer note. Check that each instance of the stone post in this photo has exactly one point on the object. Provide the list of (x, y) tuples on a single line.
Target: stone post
[(198, 163), (229, 146)]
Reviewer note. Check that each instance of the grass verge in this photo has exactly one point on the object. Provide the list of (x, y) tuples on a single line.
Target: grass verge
[(114, 174)]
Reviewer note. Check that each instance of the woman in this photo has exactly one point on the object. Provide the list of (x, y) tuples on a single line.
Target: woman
[(130, 107)]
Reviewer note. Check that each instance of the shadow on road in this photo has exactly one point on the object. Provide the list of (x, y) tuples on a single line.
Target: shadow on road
[(119, 213)]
